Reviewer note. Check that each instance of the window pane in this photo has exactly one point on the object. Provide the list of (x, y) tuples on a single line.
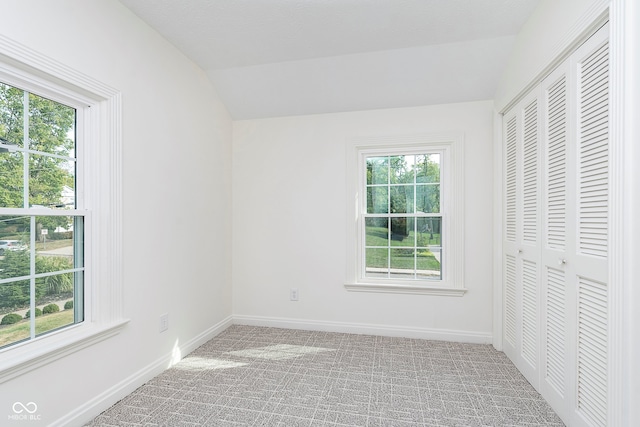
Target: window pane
[(402, 232), (11, 179), (51, 182), (51, 126), (402, 199), (377, 232), (401, 171), (429, 231), (429, 250), (429, 263), (58, 297), (11, 115), (402, 263), (427, 168), (378, 200), (377, 262), (58, 310), (14, 240), (377, 170), (14, 296), (428, 198)]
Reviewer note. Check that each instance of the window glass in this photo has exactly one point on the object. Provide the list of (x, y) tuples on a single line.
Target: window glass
[(41, 252), (403, 220)]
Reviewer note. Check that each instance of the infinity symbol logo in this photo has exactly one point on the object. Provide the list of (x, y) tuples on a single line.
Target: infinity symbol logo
[(19, 407)]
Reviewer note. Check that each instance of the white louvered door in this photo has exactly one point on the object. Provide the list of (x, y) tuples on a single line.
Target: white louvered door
[(555, 266), (521, 245), (511, 341), (591, 257), (558, 311)]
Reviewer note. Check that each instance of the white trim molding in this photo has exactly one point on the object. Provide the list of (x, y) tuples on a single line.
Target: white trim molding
[(387, 288), (366, 329), (622, 332)]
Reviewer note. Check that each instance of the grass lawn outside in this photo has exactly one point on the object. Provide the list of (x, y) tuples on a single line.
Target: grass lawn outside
[(47, 322), (404, 253)]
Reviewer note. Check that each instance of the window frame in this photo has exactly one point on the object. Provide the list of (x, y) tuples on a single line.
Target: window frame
[(99, 197), (450, 147)]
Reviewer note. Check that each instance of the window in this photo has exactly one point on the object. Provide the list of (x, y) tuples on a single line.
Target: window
[(41, 260), (60, 210), (406, 226)]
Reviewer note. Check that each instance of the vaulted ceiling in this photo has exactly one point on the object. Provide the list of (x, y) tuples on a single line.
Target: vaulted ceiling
[(286, 57)]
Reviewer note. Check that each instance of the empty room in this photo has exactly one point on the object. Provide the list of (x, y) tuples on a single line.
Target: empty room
[(319, 212)]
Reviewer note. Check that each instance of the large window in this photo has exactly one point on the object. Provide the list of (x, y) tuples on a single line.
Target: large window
[(402, 220), (406, 233), (60, 210), (41, 229)]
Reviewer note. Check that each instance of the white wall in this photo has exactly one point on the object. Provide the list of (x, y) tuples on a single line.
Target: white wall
[(176, 184), (541, 40), (289, 222)]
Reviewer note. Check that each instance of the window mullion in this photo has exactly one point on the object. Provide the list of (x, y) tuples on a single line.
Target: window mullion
[(25, 145), (415, 219), (32, 280), (388, 216)]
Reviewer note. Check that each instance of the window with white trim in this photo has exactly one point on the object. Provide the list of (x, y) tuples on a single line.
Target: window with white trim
[(41, 227), (60, 210), (405, 230)]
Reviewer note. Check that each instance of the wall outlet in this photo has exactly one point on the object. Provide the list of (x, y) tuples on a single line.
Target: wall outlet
[(293, 294), (164, 322)]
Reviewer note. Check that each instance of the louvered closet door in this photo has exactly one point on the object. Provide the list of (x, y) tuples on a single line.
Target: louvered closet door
[(511, 338), (556, 273), (574, 251), (592, 207), (556, 219), (522, 237)]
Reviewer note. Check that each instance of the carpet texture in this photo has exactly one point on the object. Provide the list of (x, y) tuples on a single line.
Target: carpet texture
[(256, 376)]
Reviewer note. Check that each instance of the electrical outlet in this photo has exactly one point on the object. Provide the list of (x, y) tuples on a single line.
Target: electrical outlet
[(164, 322), (293, 294)]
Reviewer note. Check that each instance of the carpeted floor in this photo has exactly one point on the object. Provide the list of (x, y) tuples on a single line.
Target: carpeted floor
[(253, 376)]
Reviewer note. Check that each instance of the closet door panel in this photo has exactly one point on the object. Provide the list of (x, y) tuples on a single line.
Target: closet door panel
[(591, 257), (529, 238), (557, 273), (522, 237), (511, 338), (555, 363)]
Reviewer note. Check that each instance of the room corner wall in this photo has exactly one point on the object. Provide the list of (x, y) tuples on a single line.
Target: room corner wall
[(290, 216), (176, 203), (543, 37)]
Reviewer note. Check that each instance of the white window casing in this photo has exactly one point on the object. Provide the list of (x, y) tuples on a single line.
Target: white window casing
[(450, 148), (99, 201)]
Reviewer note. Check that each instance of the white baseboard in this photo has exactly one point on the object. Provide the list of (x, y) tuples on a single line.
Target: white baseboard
[(367, 328), (105, 400)]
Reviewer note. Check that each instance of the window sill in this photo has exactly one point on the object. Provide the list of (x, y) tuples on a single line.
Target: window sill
[(30, 355), (405, 289)]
